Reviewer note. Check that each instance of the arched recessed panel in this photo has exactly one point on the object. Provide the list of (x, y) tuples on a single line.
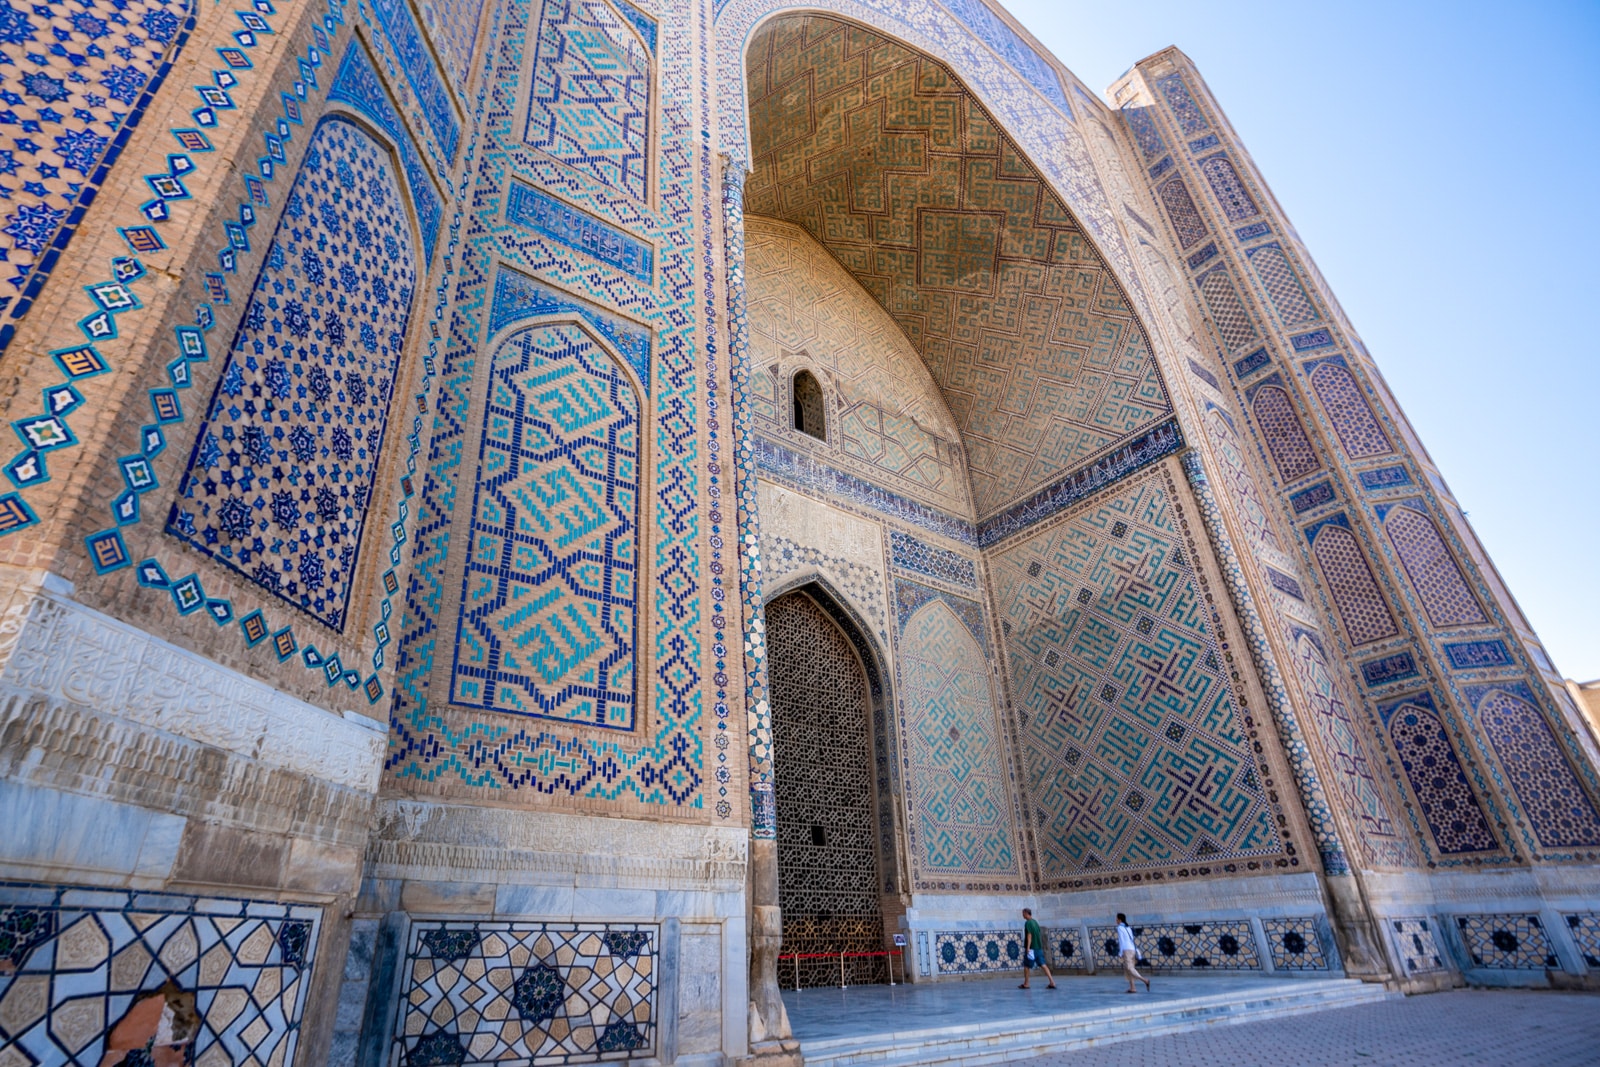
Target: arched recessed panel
[(1349, 411), (281, 476), (960, 810), (1362, 607), (887, 160), (1554, 802), (549, 592), (590, 104), (1285, 436), (1432, 568), (1448, 804)]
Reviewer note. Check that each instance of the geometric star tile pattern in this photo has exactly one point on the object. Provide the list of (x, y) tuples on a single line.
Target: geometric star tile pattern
[(1216, 944), (1553, 799), (1448, 803), (1506, 942), (550, 588), (1136, 755), (495, 992), (73, 76), (884, 158), (280, 478), (94, 978)]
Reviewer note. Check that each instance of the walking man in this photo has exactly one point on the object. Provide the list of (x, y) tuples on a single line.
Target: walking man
[(1130, 953), (1033, 949)]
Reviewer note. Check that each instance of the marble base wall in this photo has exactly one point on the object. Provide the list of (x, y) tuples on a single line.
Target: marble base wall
[(173, 830), (568, 938)]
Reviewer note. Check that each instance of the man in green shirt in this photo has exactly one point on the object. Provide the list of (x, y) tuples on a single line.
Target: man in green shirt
[(1033, 949)]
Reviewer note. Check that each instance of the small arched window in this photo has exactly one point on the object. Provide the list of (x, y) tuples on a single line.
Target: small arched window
[(809, 416)]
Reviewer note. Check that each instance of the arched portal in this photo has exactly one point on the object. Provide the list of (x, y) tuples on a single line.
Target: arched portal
[(829, 881)]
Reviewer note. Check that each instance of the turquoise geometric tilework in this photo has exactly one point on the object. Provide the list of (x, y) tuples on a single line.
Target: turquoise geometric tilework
[(357, 84), (1554, 802), (1429, 564), (422, 72), (281, 474), (960, 821), (468, 751), (1136, 756), (549, 596), (1436, 776), (76, 78), (590, 106), (931, 561)]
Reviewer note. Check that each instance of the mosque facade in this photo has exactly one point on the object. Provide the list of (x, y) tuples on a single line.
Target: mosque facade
[(533, 525)]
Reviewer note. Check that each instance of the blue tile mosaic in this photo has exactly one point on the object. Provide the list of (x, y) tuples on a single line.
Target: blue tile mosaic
[(422, 71), (1384, 478), (1252, 231), (77, 78), (1313, 497), (918, 556), (357, 84), (1283, 583), (1306, 342), (279, 481), (518, 297), (1251, 363), (1003, 39), (1393, 668), (1472, 655), (578, 230), (1184, 109), (1204, 375)]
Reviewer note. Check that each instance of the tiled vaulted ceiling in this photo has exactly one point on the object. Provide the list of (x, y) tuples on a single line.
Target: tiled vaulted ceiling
[(887, 160)]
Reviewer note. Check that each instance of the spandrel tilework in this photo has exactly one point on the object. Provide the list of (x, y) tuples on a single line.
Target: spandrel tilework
[(94, 977), (549, 595), (556, 993), (74, 81), (280, 478), (1135, 752), (590, 105)]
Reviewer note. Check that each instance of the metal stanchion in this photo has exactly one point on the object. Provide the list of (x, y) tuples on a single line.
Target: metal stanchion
[(797, 972), (841, 968)]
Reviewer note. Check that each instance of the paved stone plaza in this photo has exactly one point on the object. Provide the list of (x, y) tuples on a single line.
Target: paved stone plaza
[(1502, 1027)]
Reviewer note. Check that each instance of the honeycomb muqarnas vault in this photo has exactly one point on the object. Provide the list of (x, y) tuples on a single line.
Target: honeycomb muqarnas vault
[(415, 408)]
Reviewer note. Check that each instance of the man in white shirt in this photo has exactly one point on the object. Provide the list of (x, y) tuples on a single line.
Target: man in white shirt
[(1130, 953)]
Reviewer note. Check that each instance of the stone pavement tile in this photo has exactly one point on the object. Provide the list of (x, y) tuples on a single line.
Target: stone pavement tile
[(1502, 1027)]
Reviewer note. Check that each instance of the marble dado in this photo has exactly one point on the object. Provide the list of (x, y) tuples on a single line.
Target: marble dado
[(421, 841)]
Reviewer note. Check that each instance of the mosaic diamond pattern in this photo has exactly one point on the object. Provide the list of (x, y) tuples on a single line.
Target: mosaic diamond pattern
[(590, 106), (75, 75), (1281, 429), (1506, 942), (1186, 220), (93, 977), (554, 993), (280, 479), (549, 593), (1295, 944), (1362, 609), (1349, 411), (931, 561), (960, 807), (1135, 754), (1230, 192), (1283, 285), (1065, 949), (1431, 567), (1241, 485), (1223, 945), (1227, 313)]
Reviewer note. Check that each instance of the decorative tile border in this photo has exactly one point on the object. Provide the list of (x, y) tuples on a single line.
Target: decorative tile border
[(1066, 949), (550, 993), (579, 231), (977, 951), (1212, 944), (104, 976), (931, 561), (1506, 942)]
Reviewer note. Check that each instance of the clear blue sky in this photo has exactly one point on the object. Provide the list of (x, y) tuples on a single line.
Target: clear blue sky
[(1442, 161)]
